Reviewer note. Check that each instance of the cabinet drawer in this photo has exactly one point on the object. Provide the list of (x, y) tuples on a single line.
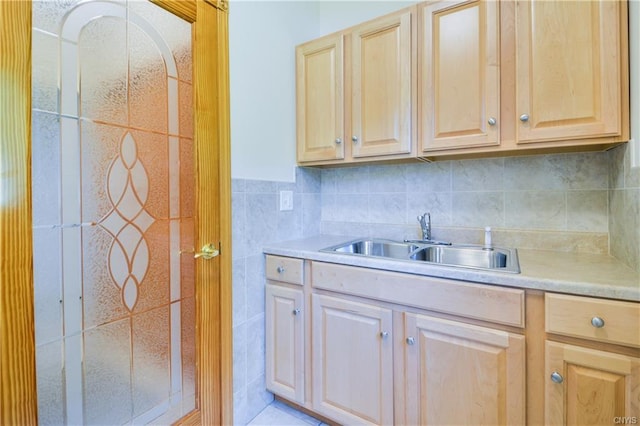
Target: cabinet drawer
[(285, 269), (484, 302), (595, 319)]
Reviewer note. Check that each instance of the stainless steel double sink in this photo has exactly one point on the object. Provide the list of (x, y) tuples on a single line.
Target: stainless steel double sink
[(458, 255)]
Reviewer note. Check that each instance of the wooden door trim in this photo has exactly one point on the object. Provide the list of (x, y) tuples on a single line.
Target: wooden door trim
[(18, 402), (18, 398), (213, 200)]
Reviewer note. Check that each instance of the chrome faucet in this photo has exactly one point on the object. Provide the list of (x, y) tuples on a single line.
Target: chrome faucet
[(425, 224)]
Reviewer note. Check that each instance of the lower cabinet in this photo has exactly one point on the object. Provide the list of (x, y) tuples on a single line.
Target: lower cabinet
[(590, 387), (284, 341), (390, 348), (457, 373), (352, 358)]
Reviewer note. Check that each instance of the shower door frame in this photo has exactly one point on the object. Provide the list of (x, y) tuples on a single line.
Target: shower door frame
[(18, 399)]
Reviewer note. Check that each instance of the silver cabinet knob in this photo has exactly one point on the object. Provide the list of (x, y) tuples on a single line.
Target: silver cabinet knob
[(411, 341), (354, 139), (384, 334), (296, 311), (492, 121), (280, 269), (556, 377), (524, 118), (338, 141), (597, 322)]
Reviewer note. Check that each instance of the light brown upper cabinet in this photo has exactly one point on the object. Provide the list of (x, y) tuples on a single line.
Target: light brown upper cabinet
[(379, 93), (320, 99), (480, 77), (569, 62), (459, 74), (381, 69)]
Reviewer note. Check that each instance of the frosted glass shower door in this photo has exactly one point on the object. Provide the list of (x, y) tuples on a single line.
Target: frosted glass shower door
[(113, 191)]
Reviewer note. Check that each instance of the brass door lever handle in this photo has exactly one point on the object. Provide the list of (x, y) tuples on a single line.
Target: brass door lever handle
[(208, 251)]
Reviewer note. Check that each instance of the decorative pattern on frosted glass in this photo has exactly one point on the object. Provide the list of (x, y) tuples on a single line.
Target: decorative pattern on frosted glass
[(128, 187), (115, 152)]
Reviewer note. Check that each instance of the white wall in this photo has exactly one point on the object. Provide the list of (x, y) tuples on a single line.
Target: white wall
[(262, 39), (337, 15)]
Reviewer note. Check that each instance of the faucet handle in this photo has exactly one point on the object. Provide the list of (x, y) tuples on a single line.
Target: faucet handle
[(424, 218)]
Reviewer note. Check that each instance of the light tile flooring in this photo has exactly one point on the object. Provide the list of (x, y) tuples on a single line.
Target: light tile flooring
[(280, 414)]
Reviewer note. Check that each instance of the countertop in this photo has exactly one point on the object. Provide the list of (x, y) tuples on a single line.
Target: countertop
[(573, 273)]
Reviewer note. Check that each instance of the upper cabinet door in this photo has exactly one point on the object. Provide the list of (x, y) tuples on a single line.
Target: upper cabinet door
[(381, 86), (320, 99), (459, 74), (568, 63)]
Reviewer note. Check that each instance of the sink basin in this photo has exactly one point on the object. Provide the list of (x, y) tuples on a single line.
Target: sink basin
[(464, 256), (380, 248), (471, 257)]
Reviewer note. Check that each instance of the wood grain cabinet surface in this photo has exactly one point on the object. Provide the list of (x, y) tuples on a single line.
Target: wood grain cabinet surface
[(388, 348), (457, 373), (570, 58), (590, 387), (467, 78), (356, 93), (595, 378), (320, 99), (352, 361), (459, 74)]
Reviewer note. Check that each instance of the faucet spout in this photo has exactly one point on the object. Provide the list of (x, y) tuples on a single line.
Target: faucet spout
[(425, 224)]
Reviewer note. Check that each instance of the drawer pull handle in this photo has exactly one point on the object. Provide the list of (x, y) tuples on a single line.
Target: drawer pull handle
[(556, 377), (280, 269), (411, 341), (597, 322), (296, 311), (384, 334)]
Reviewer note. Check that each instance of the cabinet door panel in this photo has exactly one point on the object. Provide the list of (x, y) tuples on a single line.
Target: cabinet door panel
[(568, 71), (352, 361), (284, 342), (460, 75), (381, 65), (463, 374), (320, 99), (596, 388)]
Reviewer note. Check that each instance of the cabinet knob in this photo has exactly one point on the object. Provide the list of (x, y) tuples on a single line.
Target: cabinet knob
[(556, 377), (524, 118), (354, 139), (338, 141), (384, 334), (296, 311), (411, 341), (597, 322), (280, 269), (492, 121)]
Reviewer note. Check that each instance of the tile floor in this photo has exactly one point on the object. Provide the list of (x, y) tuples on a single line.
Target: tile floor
[(280, 414)]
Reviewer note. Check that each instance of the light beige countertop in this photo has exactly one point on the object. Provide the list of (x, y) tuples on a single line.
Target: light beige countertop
[(573, 273)]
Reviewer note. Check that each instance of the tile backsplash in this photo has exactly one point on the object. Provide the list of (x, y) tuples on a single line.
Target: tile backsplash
[(624, 207), (555, 201), (257, 220), (586, 202)]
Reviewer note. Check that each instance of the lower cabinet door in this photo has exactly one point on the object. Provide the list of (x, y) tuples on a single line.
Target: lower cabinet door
[(352, 361), (590, 387), (462, 374), (285, 342)]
